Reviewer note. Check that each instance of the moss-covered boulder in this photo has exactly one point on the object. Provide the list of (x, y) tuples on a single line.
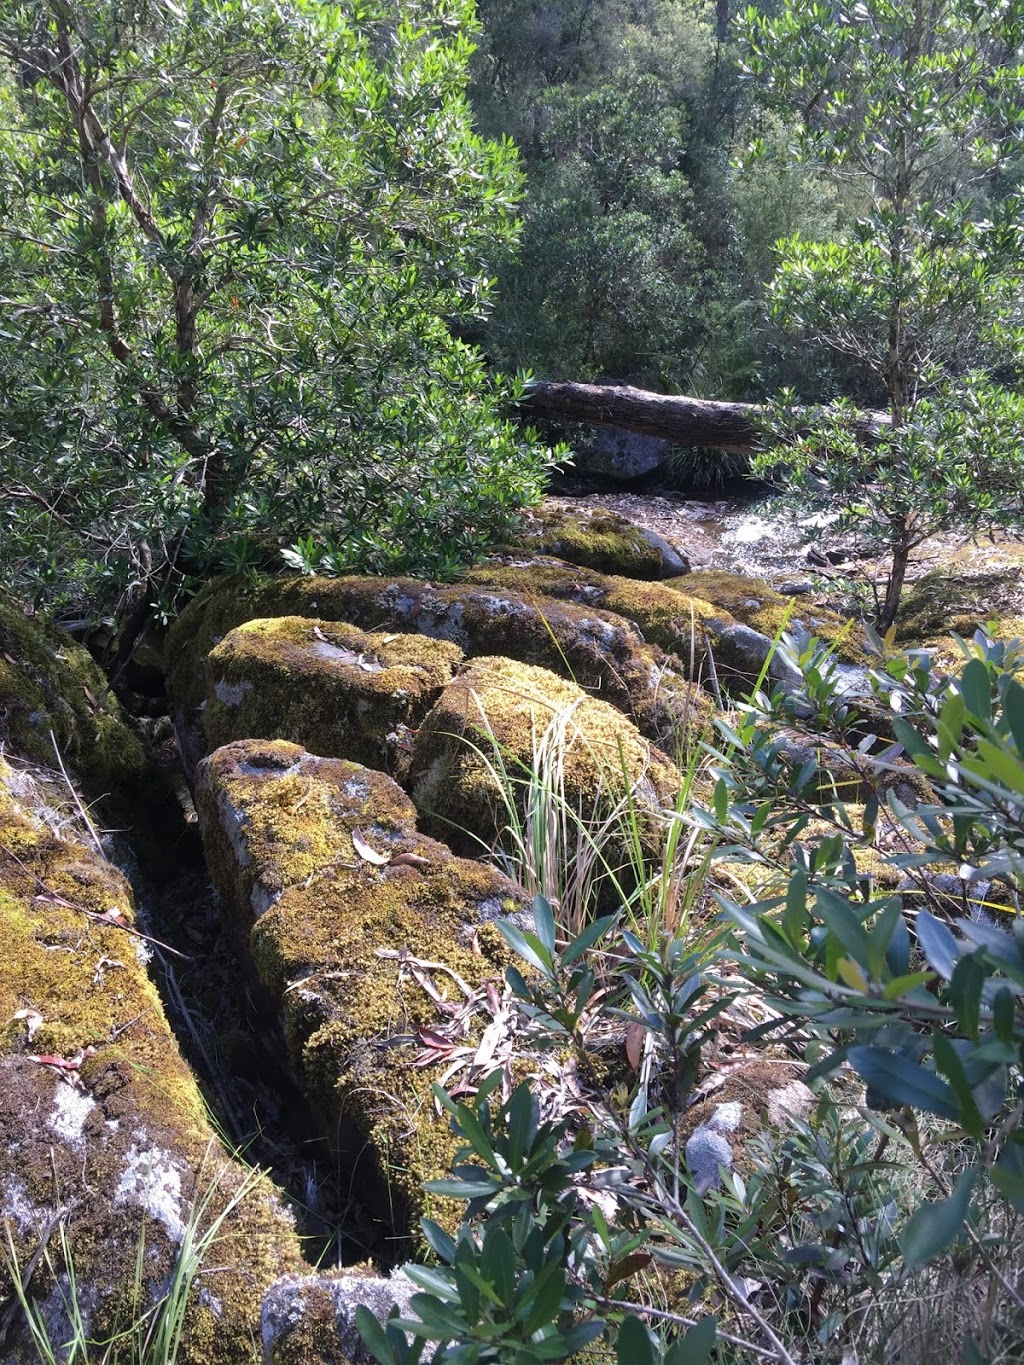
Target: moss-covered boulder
[(756, 604), (331, 687), (599, 539), (51, 685), (372, 944), (499, 714), (106, 1150), (602, 652), (967, 590)]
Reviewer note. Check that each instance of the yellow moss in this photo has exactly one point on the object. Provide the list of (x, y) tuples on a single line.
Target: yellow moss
[(963, 593), (756, 604), (337, 947), (50, 683), (666, 616), (598, 540), (598, 649), (81, 991), (498, 712), (331, 687)]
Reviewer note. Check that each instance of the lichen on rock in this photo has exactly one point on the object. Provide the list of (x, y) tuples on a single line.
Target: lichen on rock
[(601, 651), (600, 539), (326, 685), (102, 1128), (362, 934), (756, 604), (49, 685)]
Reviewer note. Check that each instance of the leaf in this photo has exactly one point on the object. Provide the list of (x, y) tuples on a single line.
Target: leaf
[(635, 1034), (634, 1344), (373, 1335), (937, 943), (900, 1081), (368, 854), (696, 1346), (934, 1226)]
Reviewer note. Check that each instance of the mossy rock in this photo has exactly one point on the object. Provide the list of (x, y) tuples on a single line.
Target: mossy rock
[(50, 683), (602, 652), (665, 616), (496, 715), (961, 595), (360, 958), (599, 539), (756, 604), (331, 687), (716, 1130), (113, 1129)]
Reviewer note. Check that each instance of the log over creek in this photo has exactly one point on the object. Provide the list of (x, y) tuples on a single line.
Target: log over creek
[(672, 417)]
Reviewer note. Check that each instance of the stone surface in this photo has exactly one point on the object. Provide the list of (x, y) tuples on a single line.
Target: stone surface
[(621, 455), (598, 539), (500, 714), (600, 650), (310, 1320), (370, 943), (337, 690), (104, 1138)]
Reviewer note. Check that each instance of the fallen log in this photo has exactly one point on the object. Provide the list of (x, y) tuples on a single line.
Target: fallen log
[(684, 421)]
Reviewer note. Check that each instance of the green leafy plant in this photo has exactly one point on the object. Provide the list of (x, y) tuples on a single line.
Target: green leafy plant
[(915, 111), (231, 297)]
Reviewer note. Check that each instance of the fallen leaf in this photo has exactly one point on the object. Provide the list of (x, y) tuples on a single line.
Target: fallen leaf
[(32, 1020), (368, 854), (635, 1045)]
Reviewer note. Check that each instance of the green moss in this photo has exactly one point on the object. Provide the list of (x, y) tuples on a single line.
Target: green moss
[(75, 986), (50, 683), (334, 688), (598, 540), (345, 949), (756, 604), (499, 712), (599, 650), (666, 616)]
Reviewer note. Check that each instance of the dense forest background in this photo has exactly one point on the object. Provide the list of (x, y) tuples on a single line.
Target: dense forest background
[(657, 185)]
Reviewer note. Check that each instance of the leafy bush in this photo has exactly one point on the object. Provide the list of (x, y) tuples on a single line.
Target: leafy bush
[(584, 1220), (231, 300)]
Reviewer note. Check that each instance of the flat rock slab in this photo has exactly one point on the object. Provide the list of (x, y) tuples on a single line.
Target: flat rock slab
[(373, 945)]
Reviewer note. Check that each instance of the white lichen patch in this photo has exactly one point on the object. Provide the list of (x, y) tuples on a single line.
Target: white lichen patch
[(71, 1108), (151, 1180), (20, 1208), (231, 694)]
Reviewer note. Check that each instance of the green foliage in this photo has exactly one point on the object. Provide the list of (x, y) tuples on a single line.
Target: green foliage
[(231, 295), (917, 110), (929, 1013)]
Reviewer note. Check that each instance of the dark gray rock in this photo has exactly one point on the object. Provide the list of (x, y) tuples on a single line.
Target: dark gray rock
[(619, 454)]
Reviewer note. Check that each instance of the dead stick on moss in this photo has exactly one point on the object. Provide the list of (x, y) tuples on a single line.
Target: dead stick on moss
[(78, 800), (109, 918)]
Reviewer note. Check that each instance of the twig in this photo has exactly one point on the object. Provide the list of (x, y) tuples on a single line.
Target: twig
[(77, 800), (110, 918), (662, 1314)]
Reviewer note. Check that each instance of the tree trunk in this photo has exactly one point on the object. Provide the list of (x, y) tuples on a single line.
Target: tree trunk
[(686, 421), (894, 584)]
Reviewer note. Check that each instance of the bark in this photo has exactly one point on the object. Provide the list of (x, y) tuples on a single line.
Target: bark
[(686, 421)]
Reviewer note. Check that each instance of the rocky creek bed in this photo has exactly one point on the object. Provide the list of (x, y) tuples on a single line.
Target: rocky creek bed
[(292, 935)]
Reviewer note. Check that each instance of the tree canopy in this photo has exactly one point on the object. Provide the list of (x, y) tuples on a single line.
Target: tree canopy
[(237, 242)]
